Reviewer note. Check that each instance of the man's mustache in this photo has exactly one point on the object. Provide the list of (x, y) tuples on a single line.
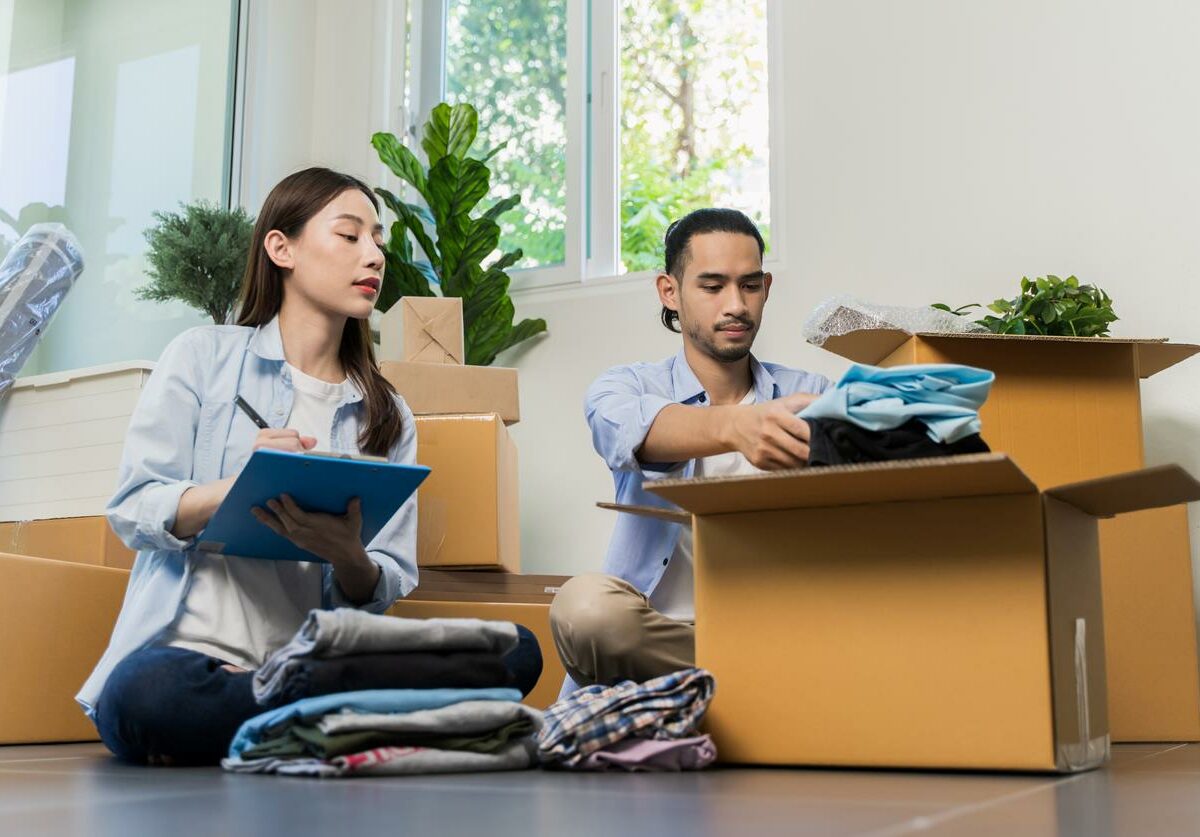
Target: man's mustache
[(724, 324)]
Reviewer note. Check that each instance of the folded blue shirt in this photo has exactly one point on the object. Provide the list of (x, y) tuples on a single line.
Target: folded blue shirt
[(946, 397), (372, 701)]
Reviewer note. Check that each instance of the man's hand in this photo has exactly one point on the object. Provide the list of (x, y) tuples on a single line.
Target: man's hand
[(769, 435)]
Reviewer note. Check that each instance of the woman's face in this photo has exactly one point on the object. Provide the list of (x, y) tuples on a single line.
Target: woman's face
[(336, 262)]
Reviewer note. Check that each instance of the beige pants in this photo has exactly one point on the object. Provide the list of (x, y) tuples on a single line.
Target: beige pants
[(606, 631)]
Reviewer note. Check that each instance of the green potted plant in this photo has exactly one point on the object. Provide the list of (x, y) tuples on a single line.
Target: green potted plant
[(198, 256), (1048, 305), (455, 243)]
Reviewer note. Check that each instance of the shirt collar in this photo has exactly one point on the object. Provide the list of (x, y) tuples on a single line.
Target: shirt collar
[(688, 389), (267, 343)]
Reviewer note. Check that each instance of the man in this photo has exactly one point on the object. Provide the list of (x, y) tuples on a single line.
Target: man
[(710, 410)]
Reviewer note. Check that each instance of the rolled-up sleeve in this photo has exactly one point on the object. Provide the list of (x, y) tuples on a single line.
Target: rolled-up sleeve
[(394, 548), (156, 464), (620, 413)]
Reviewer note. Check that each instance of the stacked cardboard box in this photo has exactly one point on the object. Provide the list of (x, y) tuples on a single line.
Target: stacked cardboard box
[(1069, 409), (469, 517)]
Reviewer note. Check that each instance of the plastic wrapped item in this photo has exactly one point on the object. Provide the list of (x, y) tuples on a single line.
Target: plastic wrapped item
[(840, 315), (35, 276)]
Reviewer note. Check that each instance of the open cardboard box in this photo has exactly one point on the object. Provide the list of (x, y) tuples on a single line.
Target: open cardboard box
[(1068, 409), (939, 613)]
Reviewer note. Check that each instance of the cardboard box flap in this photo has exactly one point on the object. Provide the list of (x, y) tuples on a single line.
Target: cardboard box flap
[(669, 515), (872, 345), (867, 346), (975, 475), (1154, 357), (1148, 488)]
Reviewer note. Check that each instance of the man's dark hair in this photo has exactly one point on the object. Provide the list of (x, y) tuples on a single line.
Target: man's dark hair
[(679, 236)]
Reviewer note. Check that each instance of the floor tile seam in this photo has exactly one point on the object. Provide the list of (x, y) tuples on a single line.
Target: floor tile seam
[(924, 823)]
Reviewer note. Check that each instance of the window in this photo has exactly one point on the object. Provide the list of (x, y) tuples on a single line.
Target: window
[(109, 112), (672, 114)]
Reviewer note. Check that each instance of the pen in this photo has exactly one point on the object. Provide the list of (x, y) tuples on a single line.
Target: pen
[(248, 410)]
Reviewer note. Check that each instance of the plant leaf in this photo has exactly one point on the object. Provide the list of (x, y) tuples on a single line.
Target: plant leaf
[(402, 162)]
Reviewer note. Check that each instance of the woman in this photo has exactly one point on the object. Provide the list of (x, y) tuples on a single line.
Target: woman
[(175, 682)]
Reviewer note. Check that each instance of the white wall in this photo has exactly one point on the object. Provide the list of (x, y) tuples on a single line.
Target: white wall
[(934, 150)]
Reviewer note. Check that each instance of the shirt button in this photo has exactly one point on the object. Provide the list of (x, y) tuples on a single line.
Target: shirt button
[(665, 560), (703, 398)]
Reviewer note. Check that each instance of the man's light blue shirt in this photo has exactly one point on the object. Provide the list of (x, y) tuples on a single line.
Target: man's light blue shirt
[(620, 407), (186, 431)]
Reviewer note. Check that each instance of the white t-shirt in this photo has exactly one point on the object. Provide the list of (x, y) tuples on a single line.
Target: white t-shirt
[(240, 610), (675, 595)]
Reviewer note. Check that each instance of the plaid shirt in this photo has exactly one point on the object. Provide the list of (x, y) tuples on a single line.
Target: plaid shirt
[(593, 718)]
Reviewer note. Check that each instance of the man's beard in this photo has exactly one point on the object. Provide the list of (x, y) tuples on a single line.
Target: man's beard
[(728, 354)]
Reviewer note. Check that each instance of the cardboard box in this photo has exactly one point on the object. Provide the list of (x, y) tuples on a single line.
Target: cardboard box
[(423, 329), (533, 615), (81, 540), (433, 389), (935, 613), (61, 437), (468, 514), (458, 585), (1069, 409), (55, 619)]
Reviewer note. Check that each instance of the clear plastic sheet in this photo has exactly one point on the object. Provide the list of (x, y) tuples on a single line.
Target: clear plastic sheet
[(35, 276), (840, 315)]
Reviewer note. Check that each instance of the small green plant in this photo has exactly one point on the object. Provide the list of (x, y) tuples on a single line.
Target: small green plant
[(1050, 306), (198, 256), (451, 187)]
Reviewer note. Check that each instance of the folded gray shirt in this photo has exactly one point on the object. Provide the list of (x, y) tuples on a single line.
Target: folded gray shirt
[(346, 631)]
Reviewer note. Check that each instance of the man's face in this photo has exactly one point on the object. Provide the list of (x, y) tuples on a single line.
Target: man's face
[(721, 294)]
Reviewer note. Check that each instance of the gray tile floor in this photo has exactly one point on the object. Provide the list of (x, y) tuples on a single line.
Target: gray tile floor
[(78, 789)]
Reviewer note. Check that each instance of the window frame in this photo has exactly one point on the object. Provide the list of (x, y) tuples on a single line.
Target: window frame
[(593, 136)]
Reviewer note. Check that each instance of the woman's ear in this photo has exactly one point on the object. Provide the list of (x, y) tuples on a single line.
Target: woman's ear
[(279, 250)]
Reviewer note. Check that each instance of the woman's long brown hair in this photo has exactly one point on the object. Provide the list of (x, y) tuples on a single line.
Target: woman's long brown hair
[(295, 200)]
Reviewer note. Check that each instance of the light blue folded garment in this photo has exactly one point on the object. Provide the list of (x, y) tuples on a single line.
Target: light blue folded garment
[(382, 701), (945, 396)]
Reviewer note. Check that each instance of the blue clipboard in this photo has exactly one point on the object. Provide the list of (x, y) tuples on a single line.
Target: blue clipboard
[(317, 483)]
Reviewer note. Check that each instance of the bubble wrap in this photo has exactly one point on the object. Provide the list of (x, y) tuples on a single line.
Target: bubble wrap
[(35, 276), (840, 315)]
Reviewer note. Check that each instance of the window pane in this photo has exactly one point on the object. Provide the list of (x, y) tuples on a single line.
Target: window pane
[(109, 112), (509, 60), (693, 116)]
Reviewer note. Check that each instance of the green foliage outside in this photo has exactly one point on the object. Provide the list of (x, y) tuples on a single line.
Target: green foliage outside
[(451, 186), (688, 68), (1048, 306), (198, 256)]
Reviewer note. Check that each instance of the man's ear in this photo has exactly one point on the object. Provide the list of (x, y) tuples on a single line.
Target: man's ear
[(279, 250), (668, 290), (767, 280)]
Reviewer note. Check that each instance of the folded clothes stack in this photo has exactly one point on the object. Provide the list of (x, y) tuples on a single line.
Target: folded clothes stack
[(903, 412), (650, 726), (347, 650), (358, 694), (389, 732)]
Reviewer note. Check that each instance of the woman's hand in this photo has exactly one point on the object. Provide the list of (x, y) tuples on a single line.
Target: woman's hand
[(336, 538), (283, 439)]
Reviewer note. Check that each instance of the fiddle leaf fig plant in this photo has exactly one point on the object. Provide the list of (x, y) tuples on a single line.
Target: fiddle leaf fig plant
[(455, 244), (1048, 305)]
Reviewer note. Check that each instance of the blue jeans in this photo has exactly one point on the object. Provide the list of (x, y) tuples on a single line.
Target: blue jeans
[(182, 705)]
